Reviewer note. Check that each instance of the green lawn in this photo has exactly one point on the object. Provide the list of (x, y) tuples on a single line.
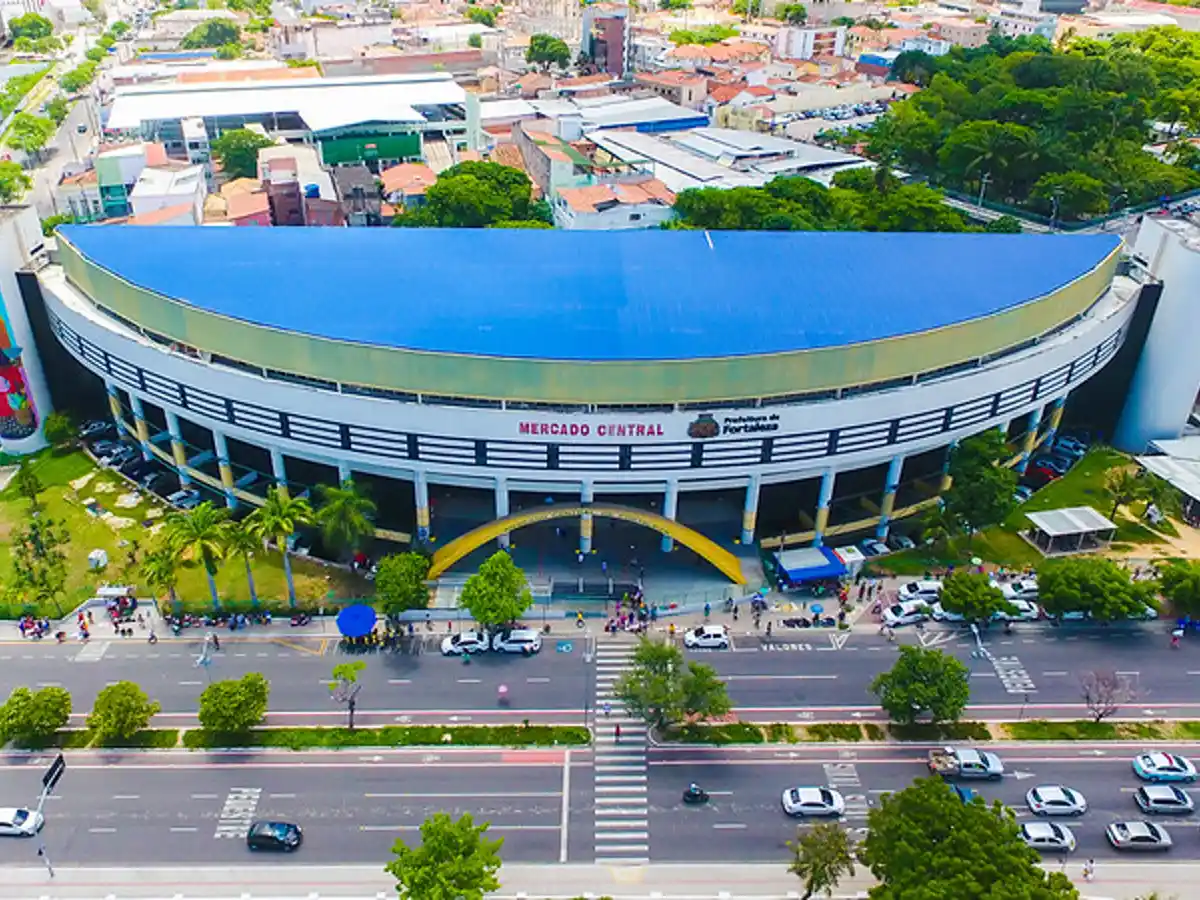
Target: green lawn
[(138, 523)]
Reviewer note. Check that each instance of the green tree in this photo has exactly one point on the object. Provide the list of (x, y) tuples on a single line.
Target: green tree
[(213, 33), (277, 520), (119, 29), (78, 78), (981, 491), (1091, 584), (664, 691), (498, 593), (746, 8), (28, 485), (1123, 486), (233, 707), (1079, 195), (241, 540), (924, 843), (57, 427), (1005, 224), (454, 861), (121, 710), (474, 41), (792, 13), (31, 26), (201, 534), (821, 855), (475, 195), (95, 55), (923, 681), (160, 569), (229, 51), (400, 582), (237, 152), (345, 686), (345, 516), (39, 559), (546, 50), (29, 133), (705, 34), (973, 596), (1179, 581), (482, 15), (914, 67), (13, 181), (30, 719), (675, 5)]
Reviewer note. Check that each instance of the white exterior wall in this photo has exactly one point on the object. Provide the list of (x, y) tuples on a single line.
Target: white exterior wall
[(333, 40), (619, 218), (864, 430), (1164, 386), (801, 43)]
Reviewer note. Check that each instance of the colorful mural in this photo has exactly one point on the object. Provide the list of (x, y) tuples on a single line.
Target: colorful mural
[(18, 419)]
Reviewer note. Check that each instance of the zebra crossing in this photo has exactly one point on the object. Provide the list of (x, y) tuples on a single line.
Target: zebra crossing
[(622, 817)]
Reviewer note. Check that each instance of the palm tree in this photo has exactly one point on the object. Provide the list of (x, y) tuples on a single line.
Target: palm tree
[(1123, 486), (201, 533), (160, 568), (277, 520), (240, 539), (344, 515)]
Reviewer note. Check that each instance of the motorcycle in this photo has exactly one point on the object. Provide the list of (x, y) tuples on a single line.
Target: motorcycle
[(301, 619), (693, 796)]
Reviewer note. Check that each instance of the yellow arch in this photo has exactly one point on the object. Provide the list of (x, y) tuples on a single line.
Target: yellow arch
[(456, 549)]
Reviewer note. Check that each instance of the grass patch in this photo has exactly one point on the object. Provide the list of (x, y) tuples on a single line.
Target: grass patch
[(150, 739), (727, 733), (57, 470), (874, 732), (1084, 730), (395, 736), (946, 731), (780, 733), (840, 732)]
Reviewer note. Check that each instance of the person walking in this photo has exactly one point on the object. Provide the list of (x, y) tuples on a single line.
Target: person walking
[(616, 734), (1089, 870)]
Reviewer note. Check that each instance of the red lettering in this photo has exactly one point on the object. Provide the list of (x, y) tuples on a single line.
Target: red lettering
[(658, 432), (641, 431), (620, 431), (602, 431), (544, 429), (526, 428), (584, 430)]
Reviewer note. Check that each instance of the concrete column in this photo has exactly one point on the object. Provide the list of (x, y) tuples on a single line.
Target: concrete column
[(823, 499), (1056, 414), (114, 404), (178, 451), (421, 487), (279, 470), (750, 510), (670, 508), (139, 423), (222, 449), (502, 506), (1030, 440), (890, 485), (587, 496), (344, 473), (946, 479)]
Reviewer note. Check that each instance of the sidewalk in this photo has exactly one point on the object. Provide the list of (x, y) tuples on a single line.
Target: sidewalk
[(1114, 881)]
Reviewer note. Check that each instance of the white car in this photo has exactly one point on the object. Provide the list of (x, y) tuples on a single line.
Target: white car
[(1163, 798), (1055, 800), (908, 612), (1138, 836), (188, 498), (707, 637), (813, 801), (1048, 836), (872, 547), (20, 822), (941, 614), (517, 640), (927, 591), (1024, 611), (1164, 767), (1021, 589), (464, 642)]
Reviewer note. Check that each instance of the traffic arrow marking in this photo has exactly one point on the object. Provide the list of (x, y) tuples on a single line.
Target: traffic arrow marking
[(934, 638), (1021, 776), (839, 640)]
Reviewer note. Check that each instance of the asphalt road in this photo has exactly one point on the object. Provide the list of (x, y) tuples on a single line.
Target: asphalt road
[(163, 809), (745, 821)]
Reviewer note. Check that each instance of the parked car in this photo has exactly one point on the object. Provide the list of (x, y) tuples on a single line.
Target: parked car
[(1022, 493), (95, 428), (1041, 474), (1024, 611), (710, 637), (1048, 836), (1163, 798), (940, 614), (908, 612), (517, 640), (465, 642), (871, 547), (1138, 836), (1055, 464), (137, 467), (187, 498), (162, 483), (927, 590), (283, 837), (900, 542), (122, 455)]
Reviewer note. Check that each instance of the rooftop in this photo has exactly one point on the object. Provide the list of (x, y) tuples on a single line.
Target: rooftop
[(323, 103), (653, 295), (596, 197)]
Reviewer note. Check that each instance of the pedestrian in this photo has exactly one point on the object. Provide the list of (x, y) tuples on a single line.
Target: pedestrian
[(616, 734), (216, 641), (607, 709), (768, 629), (707, 610), (1089, 870)]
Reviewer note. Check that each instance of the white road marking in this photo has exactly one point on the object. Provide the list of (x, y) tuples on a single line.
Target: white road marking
[(399, 681), (282, 796), (127, 796), (46, 684), (1061, 674), (183, 829), (190, 683), (781, 677), (204, 796), (468, 681), (492, 826), (566, 807), (538, 680), (102, 830), (729, 826), (462, 796)]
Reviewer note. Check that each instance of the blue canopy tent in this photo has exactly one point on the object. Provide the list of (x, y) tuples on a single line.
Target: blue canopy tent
[(809, 564)]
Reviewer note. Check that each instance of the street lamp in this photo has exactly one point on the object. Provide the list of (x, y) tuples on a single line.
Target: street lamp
[(1054, 209), (983, 183)]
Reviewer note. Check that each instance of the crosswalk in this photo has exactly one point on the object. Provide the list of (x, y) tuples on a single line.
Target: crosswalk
[(92, 651), (622, 823)]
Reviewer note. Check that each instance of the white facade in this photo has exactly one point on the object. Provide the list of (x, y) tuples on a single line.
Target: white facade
[(1024, 18), (805, 43), (162, 188), (924, 44), (1167, 379)]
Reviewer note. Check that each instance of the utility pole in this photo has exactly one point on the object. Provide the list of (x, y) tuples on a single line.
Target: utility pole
[(49, 780), (983, 183)]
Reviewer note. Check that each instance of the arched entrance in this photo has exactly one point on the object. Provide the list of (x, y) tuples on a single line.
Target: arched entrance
[(722, 559)]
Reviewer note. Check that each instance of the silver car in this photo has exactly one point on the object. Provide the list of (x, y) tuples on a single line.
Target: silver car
[(1163, 798), (1138, 836), (1048, 836), (1055, 800)]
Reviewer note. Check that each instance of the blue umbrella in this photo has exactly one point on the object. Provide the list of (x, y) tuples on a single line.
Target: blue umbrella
[(356, 621), (817, 609)]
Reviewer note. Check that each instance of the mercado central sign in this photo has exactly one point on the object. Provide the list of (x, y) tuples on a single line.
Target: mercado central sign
[(701, 427)]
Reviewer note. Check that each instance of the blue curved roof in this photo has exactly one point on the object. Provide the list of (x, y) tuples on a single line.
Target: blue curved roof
[(592, 296)]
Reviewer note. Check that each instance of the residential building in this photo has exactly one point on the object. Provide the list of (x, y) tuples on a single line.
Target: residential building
[(806, 43), (1025, 17), (926, 44), (168, 186), (642, 202), (962, 32), (78, 196), (358, 193), (605, 38), (103, 192), (682, 88), (463, 65), (172, 26), (177, 214), (404, 185), (240, 202), (301, 191), (324, 39)]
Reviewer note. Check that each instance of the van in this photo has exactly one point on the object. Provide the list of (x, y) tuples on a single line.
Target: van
[(927, 591)]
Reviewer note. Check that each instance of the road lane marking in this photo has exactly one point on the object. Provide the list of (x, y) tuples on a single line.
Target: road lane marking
[(781, 677), (566, 807), (472, 794), (282, 796), (127, 796), (190, 683), (102, 830), (537, 680), (46, 684), (468, 681), (1128, 673), (1054, 674), (199, 796), (729, 826), (184, 829), (237, 813), (492, 826), (399, 681)]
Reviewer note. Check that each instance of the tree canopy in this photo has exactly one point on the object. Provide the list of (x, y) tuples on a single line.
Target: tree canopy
[(483, 15), (546, 50), (923, 681), (31, 25), (704, 34), (400, 582), (924, 843), (792, 13), (120, 711), (454, 861), (213, 33), (346, 516), (973, 596), (981, 491), (29, 133), (32, 718), (237, 152), (498, 593), (234, 706), (476, 195), (1091, 584), (821, 855), (664, 691), (1030, 123), (13, 181), (1179, 581)]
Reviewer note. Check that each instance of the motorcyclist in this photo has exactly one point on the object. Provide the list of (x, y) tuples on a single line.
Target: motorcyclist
[(693, 792)]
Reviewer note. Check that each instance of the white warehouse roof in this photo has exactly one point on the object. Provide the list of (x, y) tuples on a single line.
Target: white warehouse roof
[(322, 103), (1071, 520)]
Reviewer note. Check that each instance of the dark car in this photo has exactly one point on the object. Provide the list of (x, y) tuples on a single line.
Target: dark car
[(137, 468), (162, 483), (1054, 464), (281, 836), (96, 428)]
